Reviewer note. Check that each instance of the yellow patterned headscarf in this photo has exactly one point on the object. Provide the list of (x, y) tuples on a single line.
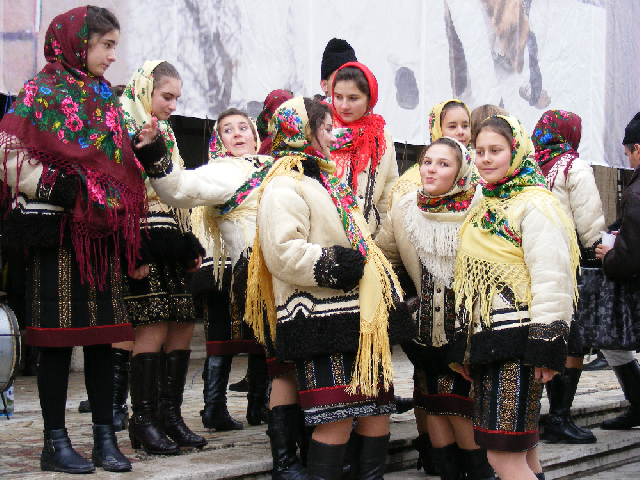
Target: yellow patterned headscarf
[(136, 104), (289, 128)]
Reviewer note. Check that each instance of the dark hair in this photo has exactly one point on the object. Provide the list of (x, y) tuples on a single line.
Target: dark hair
[(449, 143), (234, 111), (499, 126), (100, 21), (118, 89), (357, 76), (162, 71), (316, 113), (630, 146), (450, 106), (480, 114)]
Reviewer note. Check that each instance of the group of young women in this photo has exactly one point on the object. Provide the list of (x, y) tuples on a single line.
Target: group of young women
[(317, 230)]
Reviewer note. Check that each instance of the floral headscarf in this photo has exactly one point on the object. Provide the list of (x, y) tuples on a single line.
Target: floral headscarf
[(435, 124), (523, 170), (69, 119), (362, 142), (291, 133), (557, 134), (136, 105), (271, 103), (289, 128), (458, 199)]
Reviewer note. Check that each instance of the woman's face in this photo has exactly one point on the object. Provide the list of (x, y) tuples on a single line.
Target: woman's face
[(237, 135), (438, 170), (164, 99), (102, 52), (455, 124), (350, 103), (324, 138), (493, 156)]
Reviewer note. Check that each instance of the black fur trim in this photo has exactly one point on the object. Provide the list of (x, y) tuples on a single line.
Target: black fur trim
[(498, 345), (457, 348), (304, 337), (193, 246), (431, 359), (62, 193), (169, 243), (339, 267), (311, 169), (154, 157), (202, 281), (402, 328), (32, 230), (547, 346)]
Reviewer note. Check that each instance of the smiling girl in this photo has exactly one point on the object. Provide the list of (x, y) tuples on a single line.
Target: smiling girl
[(515, 283), (421, 232)]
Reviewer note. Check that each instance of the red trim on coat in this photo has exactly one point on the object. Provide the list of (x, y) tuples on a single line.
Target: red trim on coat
[(77, 337), (278, 369), (335, 395), (444, 404), (505, 441), (233, 347)]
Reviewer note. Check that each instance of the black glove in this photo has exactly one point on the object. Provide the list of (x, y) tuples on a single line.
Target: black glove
[(339, 267), (63, 192), (153, 156)]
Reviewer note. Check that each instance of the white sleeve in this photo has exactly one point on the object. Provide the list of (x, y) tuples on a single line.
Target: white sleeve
[(586, 206)]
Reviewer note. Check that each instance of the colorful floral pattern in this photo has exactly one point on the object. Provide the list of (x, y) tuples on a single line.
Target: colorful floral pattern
[(345, 201), (245, 189), (556, 134)]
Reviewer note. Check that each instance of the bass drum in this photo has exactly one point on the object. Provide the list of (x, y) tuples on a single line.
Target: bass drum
[(9, 347)]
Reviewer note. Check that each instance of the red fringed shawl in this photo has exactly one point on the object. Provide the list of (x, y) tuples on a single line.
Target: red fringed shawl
[(365, 140), (68, 119)]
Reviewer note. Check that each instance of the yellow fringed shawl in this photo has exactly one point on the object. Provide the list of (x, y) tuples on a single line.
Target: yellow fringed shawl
[(488, 263), (375, 288)]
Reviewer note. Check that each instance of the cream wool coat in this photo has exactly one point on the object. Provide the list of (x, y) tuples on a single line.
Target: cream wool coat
[(385, 176), (580, 199), (214, 184)]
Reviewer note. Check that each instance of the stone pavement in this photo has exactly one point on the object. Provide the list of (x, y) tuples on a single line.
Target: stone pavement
[(245, 453)]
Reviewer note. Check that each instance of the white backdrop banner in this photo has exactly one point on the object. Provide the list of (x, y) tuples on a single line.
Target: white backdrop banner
[(526, 55)]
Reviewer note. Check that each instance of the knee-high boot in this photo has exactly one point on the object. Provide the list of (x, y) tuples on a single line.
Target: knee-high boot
[(448, 462), (477, 465), (325, 461), (120, 388), (144, 430), (372, 457), (283, 431), (170, 399), (629, 378), (257, 393), (559, 426), (216, 376)]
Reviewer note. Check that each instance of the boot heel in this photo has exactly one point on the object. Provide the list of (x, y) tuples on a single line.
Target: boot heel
[(135, 443)]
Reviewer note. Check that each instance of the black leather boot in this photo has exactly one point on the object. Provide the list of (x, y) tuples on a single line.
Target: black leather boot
[(170, 400), (559, 427), (283, 431), (257, 392), (599, 363), (120, 388), (216, 376), (325, 461), (476, 465), (106, 453), (144, 430), (372, 457), (59, 456), (423, 445), (448, 462), (629, 378), (403, 404)]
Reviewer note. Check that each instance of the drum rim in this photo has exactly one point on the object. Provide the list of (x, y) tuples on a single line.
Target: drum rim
[(16, 357)]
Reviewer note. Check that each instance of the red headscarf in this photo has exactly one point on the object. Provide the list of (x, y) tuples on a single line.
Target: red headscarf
[(271, 104), (556, 136), (365, 141), (68, 119)]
